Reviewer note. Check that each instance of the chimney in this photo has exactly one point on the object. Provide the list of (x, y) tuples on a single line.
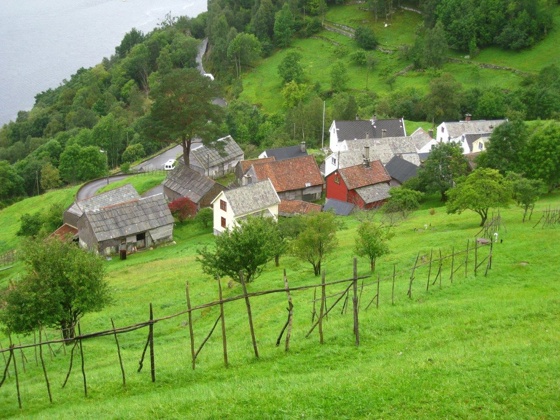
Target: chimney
[(468, 117), (366, 157), (302, 147), (383, 132), (246, 180), (431, 133)]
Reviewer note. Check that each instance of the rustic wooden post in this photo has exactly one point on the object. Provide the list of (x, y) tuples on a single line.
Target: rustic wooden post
[(290, 312), (377, 300), (393, 287), (119, 353), (16, 374), (475, 257), (193, 354), (467, 259), (222, 316), (49, 345), (5, 362), (23, 358), (322, 308), (440, 268), (34, 348), (82, 357), (355, 302), (6, 370), (151, 338), (249, 314), (409, 293), (314, 313), (43, 365), (489, 264), (452, 263)]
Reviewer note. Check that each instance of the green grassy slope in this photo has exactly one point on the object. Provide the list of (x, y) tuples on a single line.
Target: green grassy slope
[(480, 347), (262, 85)]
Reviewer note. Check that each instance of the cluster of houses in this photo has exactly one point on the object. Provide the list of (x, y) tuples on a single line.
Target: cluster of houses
[(366, 159)]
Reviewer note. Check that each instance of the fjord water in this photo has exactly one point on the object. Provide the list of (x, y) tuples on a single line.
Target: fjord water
[(44, 42)]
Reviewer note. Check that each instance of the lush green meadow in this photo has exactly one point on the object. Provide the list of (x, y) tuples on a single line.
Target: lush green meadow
[(479, 347)]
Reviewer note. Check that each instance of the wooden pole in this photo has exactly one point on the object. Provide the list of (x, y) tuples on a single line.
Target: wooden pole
[(378, 282), (452, 263), (43, 365), (71, 363), (16, 375), (208, 336), (83, 361), (23, 358), (355, 303), (152, 354), (440, 268), (409, 293), (475, 257), (34, 348), (191, 332), (393, 287), (6, 369), (222, 316), (5, 362), (322, 308), (314, 313), (290, 312), (119, 353), (249, 315)]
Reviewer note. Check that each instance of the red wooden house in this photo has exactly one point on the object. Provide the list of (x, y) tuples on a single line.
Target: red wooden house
[(365, 185)]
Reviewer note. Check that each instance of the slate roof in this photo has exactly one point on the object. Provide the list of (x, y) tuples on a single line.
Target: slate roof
[(188, 183), (225, 151), (341, 208), (456, 129), (361, 129), (400, 169), (360, 176), (420, 138), (109, 198), (374, 193), (294, 207), (129, 218), (471, 138), (290, 174), (252, 198), (384, 149), (288, 152)]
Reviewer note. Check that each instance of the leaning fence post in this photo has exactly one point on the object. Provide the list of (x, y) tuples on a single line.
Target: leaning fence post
[(355, 302), (393, 288), (377, 299), (119, 353), (151, 338), (193, 354), (249, 314), (222, 316), (5, 362), (409, 293), (467, 258), (452, 263), (475, 257), (82, 357), (43, 365), (16, 374), (322, 307), (290, 312)]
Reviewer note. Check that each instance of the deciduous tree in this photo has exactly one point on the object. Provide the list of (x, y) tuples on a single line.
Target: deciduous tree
[(371, 241), (526, 192), (62, 283)]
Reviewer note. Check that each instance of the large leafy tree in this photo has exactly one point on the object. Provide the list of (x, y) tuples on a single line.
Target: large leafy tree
[(371, 241), (481, 191), (284, 26), (243, 250), (506, 147), (244, 50), (444, 165), (526, 192), (444, 98), (290, 68), (183, 110), (316, 240), (63, 282), (11, 184), (542, 154)]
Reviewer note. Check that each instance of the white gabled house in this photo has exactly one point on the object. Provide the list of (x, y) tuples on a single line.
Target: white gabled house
[(471, 135), (341, 131), (255, 199)]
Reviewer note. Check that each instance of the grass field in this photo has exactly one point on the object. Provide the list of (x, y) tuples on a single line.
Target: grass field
[(262, 86), (480, 347)]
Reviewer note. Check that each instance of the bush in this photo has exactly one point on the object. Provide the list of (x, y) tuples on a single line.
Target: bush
[(365, 38)]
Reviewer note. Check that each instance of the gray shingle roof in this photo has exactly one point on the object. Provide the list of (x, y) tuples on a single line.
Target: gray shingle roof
[(225, 151), (374, 193), (455, 129), (284, 153), (129, 218), (361, 129), (384, 149), (400, 169), (341, 208), (252, 198), (109, 198), (188, 183)]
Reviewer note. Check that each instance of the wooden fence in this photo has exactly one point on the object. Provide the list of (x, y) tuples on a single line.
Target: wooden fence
[(429, 270)]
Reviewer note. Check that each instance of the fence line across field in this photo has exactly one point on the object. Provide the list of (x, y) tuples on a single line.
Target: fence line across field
[(423, 263)]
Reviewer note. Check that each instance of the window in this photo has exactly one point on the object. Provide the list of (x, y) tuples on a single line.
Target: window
[(223, 222), (223, 205), (333, 160), (336, 179), (480, 146)]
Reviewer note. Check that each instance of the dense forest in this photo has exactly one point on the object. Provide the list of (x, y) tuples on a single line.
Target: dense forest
[(101, 119)]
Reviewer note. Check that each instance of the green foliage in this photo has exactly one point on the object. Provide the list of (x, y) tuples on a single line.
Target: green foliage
[(133, 152), (542, 154), (444, 165), (242, 251), (365, 38), (505, 149), (371, 241), (402, 201), (30, 225), (294, 93), (82, 163), (62, 284), (526, 192), (284, 27), (204, 217), (344, 107), (443, 101), (480, 191), (339, 76), (290, 68), (316, 240), (244, 50), (11, 184)]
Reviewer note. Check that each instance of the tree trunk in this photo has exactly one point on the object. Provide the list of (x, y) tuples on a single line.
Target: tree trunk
[(317, 268), (186, 143), (68, 330)]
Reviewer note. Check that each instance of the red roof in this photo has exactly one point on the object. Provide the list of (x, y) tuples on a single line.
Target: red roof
[(65, 231), (290, 174), (246, 164), (361, 176), (297, 207)]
